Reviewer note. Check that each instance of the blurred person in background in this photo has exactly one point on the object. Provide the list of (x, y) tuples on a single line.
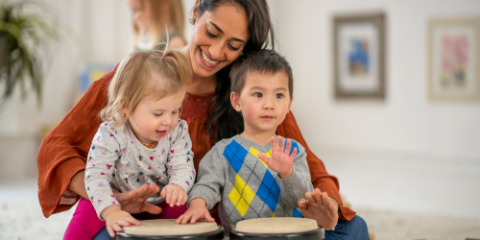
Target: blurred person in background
[(155, 20)]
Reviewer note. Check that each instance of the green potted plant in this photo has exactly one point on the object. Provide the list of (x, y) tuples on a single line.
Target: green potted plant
[(27, 40)]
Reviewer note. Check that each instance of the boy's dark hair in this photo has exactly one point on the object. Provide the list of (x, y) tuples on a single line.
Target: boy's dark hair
[(263, 62)]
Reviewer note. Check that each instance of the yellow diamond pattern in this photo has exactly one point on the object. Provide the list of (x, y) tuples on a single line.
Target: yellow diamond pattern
[(255, 153), (241, 200), (273, 215)]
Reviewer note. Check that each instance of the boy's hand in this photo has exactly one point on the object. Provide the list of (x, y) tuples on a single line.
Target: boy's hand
[(116, 219), (174, 194), (281, 160), (196, 210)]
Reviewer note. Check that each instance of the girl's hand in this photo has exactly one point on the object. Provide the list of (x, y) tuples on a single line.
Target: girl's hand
[(281, 160), (174, 194), (321, 208), (196, 210), (135, 201), (116, 219)]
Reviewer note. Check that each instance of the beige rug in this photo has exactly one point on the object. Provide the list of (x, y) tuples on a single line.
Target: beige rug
[(24, 220)]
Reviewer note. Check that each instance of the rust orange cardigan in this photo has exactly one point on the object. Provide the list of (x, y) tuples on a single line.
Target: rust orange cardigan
[(63, 152)]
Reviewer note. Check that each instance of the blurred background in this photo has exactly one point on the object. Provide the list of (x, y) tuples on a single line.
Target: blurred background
[(405, 152)]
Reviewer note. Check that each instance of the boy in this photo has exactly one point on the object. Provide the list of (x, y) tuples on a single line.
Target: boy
[(250, 179)]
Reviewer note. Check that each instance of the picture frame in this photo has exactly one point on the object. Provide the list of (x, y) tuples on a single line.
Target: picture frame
[(454, 58), (359, 56)]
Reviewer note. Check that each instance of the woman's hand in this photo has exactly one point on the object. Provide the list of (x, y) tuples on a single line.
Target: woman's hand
[(321, 208), (281, 160), (196, 210), (116, 219), (135, 201), (174, 194)]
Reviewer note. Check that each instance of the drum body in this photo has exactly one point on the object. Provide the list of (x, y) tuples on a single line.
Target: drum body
[(215, 235), (308, 235), (277, 228)]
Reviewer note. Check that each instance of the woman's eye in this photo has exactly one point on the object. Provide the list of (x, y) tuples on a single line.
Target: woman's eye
[(211, 35), (258, 95), (279, 95), (232, 47), (158, 114), (174, 112)]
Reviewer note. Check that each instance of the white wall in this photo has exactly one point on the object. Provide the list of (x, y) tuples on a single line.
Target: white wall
[(406, 152), (101, 33)]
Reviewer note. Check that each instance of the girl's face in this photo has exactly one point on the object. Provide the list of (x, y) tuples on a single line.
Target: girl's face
[(218, 39), (153, 118), (141, 14)]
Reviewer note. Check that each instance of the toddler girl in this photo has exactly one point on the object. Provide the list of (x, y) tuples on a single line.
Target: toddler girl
[(141, 141)]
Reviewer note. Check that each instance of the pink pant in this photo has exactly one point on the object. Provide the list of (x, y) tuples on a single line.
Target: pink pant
[(85, 223)]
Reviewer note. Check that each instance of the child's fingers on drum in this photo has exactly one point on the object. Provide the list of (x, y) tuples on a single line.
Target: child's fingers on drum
[(114, 228), (310, 198), (325, 199), (174, 198)]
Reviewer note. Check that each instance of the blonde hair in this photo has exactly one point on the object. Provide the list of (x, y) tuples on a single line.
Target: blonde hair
[(133, 81), (159, 20)]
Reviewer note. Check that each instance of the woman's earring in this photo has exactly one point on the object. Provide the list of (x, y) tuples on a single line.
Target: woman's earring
[(192, 20)]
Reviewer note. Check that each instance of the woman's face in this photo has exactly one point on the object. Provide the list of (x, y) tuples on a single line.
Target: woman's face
[(218, 39), (141, 14)]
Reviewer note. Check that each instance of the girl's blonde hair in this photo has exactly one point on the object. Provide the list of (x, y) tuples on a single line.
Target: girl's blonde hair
[(159, 20), (134, 80)]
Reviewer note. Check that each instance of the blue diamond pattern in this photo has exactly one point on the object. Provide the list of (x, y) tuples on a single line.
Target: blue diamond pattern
[(272, 202), (235, 154), (296, 213)]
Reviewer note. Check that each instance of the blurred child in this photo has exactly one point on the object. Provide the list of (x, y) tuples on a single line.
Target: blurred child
[(250, 174)]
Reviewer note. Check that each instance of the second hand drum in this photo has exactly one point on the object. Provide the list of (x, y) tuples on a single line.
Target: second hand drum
[(163, 229), (277, 228)]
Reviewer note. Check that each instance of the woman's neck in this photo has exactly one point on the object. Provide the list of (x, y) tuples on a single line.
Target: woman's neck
[(198, 85)]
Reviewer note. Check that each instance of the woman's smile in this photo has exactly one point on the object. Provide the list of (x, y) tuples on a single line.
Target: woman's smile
[(206, 60)]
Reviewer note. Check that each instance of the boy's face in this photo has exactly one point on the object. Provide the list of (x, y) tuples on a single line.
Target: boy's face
[(264, 101)]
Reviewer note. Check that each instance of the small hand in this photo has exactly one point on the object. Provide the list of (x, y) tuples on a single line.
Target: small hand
[(321, 208), (116, 219), (174, 194), (135, 201), (196, 210), (281, 160)]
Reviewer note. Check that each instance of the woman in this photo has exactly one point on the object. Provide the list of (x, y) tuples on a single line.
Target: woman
[(223, 29), (153, 21)]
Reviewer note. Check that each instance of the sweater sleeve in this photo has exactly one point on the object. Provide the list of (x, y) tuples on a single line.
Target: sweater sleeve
[(210, 179), (319, 175), (296, 185), (64, 151), (180, 159), (103, 153)]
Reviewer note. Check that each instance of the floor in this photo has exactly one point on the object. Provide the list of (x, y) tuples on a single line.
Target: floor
[(21, 218)]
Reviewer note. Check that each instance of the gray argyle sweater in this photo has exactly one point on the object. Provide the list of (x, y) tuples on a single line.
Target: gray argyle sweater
[(232, 173)]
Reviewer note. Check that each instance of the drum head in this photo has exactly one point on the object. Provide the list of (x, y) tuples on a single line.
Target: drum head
[(167, 229), (277, 228)]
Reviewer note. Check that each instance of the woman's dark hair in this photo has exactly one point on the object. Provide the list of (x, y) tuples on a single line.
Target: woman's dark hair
[(224, 121)]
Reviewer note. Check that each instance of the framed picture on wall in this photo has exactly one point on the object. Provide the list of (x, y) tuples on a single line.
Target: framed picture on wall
[(359, 56), (454, 58)]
